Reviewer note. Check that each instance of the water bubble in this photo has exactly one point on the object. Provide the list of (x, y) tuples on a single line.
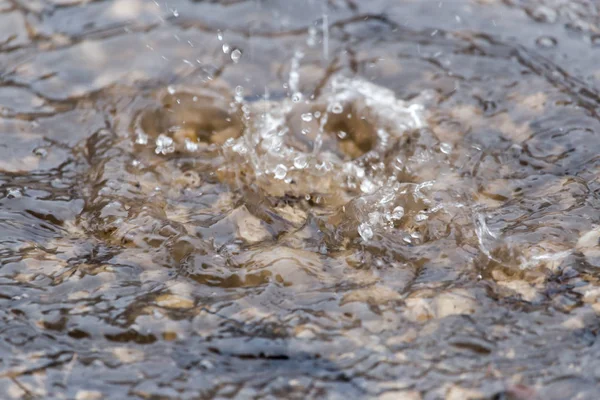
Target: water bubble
[(226, 48), (337, 108), (136, 163), (175, 13), (280, 171), (14, 193), (40, 152), (236, 55), (365, 231), (305, 131), (307, 117), (317, 114), (446, 148), (220, 35), (397, 213), (171, 89), (301, 162), (307, 197), (342, 135), (297, 97), (546, 41)]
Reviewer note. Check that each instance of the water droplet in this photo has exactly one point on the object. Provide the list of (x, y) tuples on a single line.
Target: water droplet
[(365, 231), (236, 55), (397, 213), (135, 163), (171, 89), (546, 41), (297, 97), (342, 135), (164, 145), (307, 117), (367, 186), (301, 162), (305, 131), (446, 148), (307, 197), (280, 171), (337, 108), (226, 48), (220, 35), (191, 146), (175, 13), (141, 138), (317, 114), (240, 148)]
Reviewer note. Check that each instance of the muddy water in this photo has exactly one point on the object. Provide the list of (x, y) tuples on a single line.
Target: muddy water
[(268, 199)]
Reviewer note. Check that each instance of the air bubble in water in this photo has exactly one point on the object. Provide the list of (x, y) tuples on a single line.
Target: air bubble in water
[(280, 171), (307, 117), (300, 162), (365, 231), (14, 193), (41, 152), (337, 108), (236, 55)]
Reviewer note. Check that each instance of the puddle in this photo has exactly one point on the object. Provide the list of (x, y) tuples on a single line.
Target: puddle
[(248, 199)]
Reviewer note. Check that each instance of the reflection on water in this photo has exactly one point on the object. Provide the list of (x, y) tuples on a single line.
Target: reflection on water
[(261, 199)]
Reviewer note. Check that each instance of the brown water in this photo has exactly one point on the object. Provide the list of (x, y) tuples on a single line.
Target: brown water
[(283, 199)]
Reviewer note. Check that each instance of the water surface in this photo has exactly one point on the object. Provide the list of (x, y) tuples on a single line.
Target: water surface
[(321, 199)]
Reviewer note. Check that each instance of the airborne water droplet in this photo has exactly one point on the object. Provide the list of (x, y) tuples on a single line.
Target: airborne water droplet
[(236, 55)]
